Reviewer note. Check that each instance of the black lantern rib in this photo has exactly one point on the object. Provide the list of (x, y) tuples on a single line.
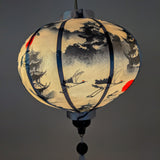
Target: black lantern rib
[(60, 68), (111, 54)]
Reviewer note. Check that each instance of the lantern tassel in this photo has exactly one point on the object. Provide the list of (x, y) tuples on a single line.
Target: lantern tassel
[(81, 157)]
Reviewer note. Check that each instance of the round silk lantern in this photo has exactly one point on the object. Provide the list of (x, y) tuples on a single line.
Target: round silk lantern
[(79, 64)]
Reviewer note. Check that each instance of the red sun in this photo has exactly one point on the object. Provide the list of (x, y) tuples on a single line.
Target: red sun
[(127, 85)]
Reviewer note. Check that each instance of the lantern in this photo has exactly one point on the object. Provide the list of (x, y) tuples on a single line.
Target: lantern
[(78, 64)]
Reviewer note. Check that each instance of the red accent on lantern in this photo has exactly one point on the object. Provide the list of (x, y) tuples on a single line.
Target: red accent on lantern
[(30, 41), (127, 85)]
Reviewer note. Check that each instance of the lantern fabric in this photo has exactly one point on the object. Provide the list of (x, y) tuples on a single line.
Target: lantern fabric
[(78, 64)]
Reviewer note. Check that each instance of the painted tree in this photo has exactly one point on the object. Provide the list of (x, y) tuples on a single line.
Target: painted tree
[(37, 75)]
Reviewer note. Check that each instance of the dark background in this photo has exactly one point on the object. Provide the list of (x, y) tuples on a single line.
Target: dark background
[(126, 129)]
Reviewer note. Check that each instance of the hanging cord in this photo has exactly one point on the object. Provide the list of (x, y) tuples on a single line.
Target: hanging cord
[(82, 149), (82, 139), (81, 157), (75, 5)]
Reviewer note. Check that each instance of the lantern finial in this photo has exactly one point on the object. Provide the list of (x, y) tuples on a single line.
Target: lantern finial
[(75, 5)]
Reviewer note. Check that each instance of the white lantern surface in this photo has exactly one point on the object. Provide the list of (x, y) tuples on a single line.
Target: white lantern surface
[(78, 64)]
